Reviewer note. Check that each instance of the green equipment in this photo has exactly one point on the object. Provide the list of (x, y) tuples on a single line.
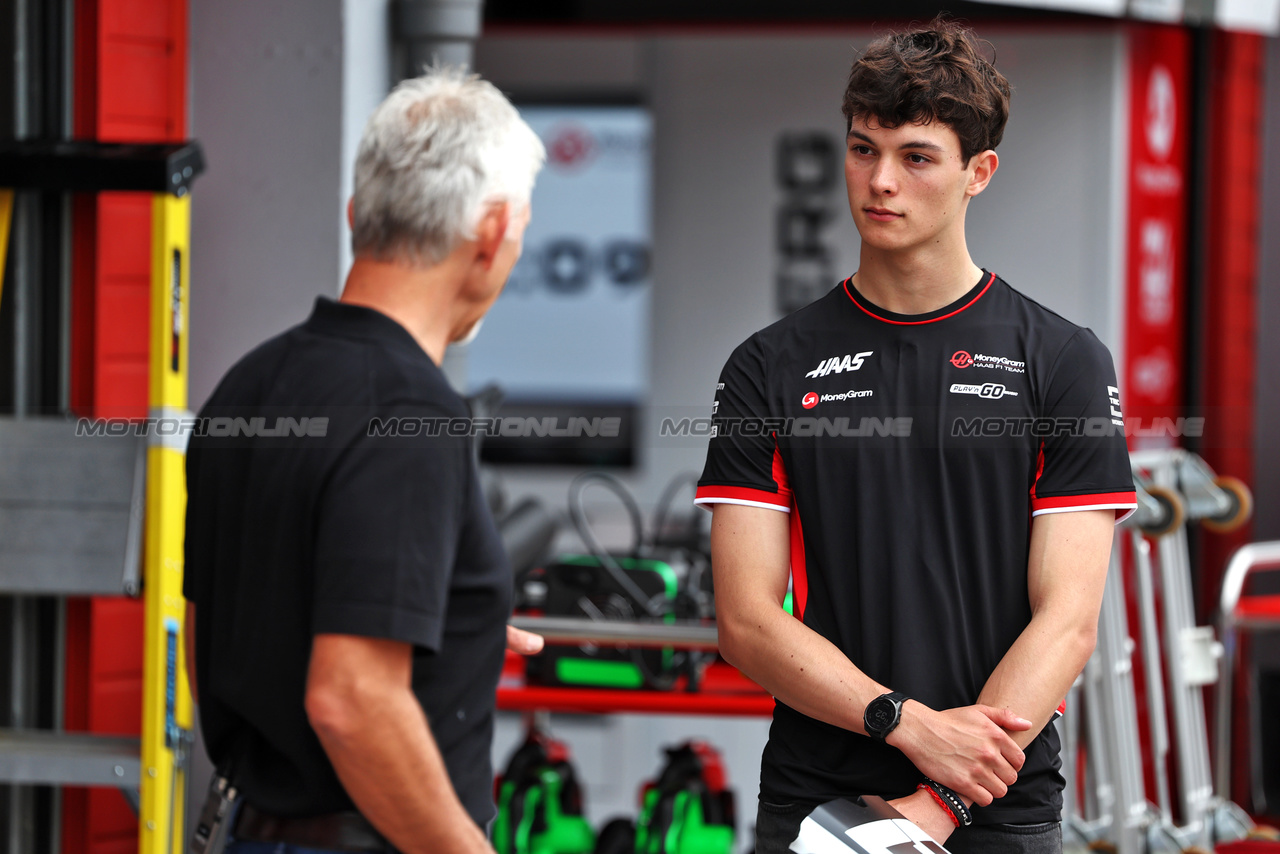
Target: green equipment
[(540, 802), (580, 586), (665, 577), (688, 809)]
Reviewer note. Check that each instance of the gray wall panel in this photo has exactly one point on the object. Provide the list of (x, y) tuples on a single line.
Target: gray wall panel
[(266, 96)]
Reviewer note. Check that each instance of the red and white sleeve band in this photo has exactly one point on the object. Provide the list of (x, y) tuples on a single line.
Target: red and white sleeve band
[(1123, 503), (745, 496)]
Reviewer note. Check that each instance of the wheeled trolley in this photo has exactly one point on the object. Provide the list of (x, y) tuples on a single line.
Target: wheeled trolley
[(1236, 613), (1189, 653)]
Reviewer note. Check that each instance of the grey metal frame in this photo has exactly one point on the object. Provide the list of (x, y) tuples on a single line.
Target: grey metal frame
[(1208, 818), (71, 508), (1250, 559)]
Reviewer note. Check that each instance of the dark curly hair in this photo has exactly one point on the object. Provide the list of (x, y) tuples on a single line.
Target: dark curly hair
[(928, 74)]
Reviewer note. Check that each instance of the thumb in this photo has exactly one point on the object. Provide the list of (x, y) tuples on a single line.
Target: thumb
[(525, 643), (1006, 718)]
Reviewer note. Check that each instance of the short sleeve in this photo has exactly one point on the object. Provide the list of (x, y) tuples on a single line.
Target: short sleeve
[(743, 463), (1084, 462), (388, 527)]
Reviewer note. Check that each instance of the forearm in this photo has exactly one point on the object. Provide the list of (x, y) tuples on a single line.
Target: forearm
[(361, 705), (965, 748), (1066, 574), (751, 562), (1038, 670), (392, 769), (798, 666)]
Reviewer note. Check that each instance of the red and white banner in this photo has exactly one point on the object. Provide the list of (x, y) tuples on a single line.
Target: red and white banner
[(1155, 275)]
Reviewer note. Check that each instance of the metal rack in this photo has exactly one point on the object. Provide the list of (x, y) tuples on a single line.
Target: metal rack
[(1178, 659), (1237, 613), (723, 690)]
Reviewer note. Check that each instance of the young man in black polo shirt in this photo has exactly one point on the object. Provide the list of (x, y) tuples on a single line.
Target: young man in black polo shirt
[(349, 589), (946, 459)]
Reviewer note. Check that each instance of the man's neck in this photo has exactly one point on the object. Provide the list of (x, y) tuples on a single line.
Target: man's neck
[(914, 283), (419, 299)]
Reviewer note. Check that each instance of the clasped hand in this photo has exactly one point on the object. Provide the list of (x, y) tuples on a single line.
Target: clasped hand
[(967, 749)]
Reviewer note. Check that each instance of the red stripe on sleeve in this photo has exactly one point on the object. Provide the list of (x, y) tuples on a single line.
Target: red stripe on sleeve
[(1119, 501), (781, 499), (732, 494), (799, 572), (780, 475), (1039, 471)]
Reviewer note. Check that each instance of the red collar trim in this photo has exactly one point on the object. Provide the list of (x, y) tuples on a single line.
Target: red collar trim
[(845, 284)]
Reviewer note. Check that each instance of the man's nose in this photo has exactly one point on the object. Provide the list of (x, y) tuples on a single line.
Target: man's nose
[(883, 178)]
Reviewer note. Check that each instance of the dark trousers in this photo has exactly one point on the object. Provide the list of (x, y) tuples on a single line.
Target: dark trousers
[(777, 826)]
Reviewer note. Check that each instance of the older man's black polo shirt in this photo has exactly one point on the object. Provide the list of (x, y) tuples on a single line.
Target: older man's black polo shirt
[(332, 490)]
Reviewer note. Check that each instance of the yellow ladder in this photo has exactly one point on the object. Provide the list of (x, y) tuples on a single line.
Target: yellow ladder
[(166, 693), (165, 171)]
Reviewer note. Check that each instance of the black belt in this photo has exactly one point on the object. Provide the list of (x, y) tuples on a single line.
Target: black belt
[(339, 831)]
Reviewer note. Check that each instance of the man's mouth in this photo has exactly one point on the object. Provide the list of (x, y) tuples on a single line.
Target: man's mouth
[(882, 214)]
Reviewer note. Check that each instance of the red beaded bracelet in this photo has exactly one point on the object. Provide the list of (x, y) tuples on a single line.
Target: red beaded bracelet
[(938, 798)]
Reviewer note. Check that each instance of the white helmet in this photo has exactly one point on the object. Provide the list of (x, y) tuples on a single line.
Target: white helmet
[(865, 825)]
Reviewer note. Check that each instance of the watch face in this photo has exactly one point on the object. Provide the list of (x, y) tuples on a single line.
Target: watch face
[(880, 713)]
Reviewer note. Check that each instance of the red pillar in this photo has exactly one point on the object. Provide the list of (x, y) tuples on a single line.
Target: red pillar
[(130, 86), (1227, 368)]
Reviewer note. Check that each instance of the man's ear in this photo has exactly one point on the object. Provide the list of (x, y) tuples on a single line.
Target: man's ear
[(491, 231), (984, 166), (351, 212)]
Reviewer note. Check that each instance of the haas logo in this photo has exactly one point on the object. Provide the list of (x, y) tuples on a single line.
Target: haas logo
[(810, 400), (962, 359)]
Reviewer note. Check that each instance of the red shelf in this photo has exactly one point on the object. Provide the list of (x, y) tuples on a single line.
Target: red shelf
[(724, 691), (1258, 608)]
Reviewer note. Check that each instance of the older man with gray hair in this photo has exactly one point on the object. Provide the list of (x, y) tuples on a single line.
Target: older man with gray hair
[(350, 588)]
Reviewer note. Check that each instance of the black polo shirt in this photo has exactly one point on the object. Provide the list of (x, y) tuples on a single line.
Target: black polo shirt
[(912, 452), (310, 510)]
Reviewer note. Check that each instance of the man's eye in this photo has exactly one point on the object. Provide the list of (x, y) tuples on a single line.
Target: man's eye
[(917, 158), (860, 149)]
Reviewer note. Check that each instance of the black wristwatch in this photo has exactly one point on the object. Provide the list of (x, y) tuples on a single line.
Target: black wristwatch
[(883, 714)]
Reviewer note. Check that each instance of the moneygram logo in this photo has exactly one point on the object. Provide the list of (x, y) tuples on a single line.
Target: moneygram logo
[(964, 359), (847, 395), (810, 400)]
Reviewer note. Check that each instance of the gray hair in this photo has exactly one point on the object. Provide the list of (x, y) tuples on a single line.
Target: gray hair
[(434, 153)]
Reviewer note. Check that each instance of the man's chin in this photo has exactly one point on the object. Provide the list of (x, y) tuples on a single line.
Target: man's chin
[(471, 334)]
